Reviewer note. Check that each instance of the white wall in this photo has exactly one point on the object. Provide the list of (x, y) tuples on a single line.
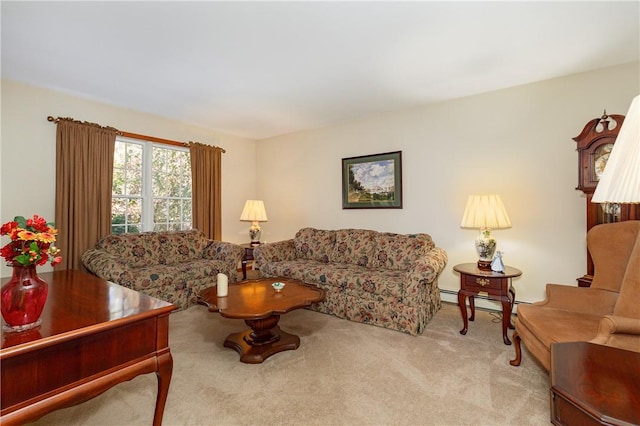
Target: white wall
[(27, 152), (515, 142)]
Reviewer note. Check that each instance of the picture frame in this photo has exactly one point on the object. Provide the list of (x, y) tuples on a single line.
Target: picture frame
[(372, 181)]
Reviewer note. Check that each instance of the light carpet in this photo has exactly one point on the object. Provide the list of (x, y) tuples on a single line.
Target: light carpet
[(344, 373)]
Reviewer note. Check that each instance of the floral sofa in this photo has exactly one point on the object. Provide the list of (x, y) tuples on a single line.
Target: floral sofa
[(384, 279), (173, 266)]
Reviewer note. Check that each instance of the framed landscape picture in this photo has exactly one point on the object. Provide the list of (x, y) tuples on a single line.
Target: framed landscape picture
[(372, 181)]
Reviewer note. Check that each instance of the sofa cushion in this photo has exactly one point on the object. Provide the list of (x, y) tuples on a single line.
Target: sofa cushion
[(396, 251), (568, 326), (353, 277), (354, 246), (182, 246), (314, 244), (136, 250)]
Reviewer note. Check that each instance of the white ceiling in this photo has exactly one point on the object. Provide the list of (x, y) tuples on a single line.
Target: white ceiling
[(260, 69)]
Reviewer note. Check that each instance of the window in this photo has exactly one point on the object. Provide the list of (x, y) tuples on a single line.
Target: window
[(151, 187)]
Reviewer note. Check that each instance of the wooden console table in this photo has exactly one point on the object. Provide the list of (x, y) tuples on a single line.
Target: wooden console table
[(594, 385), (94, 335)]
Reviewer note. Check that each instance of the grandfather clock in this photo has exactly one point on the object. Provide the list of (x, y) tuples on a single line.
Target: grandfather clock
[(594, 146)]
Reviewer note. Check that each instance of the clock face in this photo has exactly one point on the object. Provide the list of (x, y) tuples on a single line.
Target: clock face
[(601, 156)]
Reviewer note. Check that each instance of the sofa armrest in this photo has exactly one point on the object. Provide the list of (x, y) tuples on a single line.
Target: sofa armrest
[(229, 253), (103, 264), (425, 271), (619, 331), (274, 252), (224, 251), (588, 300)]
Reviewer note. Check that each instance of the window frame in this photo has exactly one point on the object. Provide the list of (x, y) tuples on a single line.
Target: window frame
[(147, 197)]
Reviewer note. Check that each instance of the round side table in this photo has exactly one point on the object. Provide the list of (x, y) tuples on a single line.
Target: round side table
[(498, 287)]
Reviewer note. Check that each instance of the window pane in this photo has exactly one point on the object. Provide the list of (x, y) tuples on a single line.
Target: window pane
[(133, 157), (134, 182), (134, 211), (166, 203), (118, 211), (118, 181), (186, 211)]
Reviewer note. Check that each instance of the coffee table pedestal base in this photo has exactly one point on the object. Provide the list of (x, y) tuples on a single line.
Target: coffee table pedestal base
[(264, 339)]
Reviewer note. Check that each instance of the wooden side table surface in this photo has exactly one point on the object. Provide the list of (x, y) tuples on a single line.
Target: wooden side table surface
[(94, 335), (594, 384), (498, 287)]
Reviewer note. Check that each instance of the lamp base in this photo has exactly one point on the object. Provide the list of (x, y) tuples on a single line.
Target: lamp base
[(254, 233), (484, 265), (485, 247)]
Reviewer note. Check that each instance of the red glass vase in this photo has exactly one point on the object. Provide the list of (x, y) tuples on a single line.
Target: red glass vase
[(22, 299)]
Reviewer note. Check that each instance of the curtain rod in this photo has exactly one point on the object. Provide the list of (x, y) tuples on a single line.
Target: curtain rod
[(132, 135)]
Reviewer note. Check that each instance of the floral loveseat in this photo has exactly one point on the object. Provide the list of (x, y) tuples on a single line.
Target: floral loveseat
[(173, 266), (384, 279)]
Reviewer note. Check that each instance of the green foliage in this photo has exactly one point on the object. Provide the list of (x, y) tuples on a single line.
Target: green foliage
[(170, 188)]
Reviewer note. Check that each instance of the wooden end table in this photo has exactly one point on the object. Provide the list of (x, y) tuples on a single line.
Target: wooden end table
[(594, 384), (498, 287), (248, 256), (94, 335), (260, 306)]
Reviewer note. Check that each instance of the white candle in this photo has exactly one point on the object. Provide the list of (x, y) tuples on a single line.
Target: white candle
[(223, 285), (222, 303)]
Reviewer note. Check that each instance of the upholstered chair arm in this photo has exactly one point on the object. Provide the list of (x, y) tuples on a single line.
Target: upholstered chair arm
[(229, 253), (105, 265), (274, 252), (588, 300), (221, 250), (622, 332), (425, 271)]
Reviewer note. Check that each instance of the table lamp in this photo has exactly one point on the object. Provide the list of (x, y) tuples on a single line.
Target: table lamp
[(255, 213), (485, 212), (620, 180)]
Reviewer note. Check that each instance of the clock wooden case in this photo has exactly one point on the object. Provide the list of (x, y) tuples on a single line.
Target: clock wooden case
[(594, 146)]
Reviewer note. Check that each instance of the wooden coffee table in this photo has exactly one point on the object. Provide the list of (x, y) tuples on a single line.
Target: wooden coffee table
[(260, 306)]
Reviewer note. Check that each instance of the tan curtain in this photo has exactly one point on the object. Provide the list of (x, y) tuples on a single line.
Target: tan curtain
[(206, 183), (84, 174)]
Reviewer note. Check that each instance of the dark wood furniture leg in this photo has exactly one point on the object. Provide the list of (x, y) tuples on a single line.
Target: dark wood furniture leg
[(265, 338), (507, 307), (472, 306), (463, 311), (248, 256), (518, 359)]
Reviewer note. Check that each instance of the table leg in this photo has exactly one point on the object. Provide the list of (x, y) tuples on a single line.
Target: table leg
[(472, 305), (244, 269), (264, 339), (512, 293), (463, 310), (507, 306), (165, 368)]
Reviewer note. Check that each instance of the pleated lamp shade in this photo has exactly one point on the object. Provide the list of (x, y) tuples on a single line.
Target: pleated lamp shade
[(485, 212), (620, 181)]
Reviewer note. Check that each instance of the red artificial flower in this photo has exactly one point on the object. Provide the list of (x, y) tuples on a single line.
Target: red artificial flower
[(31, 242)]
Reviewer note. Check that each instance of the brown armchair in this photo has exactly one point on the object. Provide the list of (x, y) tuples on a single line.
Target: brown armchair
[(606, 313)]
